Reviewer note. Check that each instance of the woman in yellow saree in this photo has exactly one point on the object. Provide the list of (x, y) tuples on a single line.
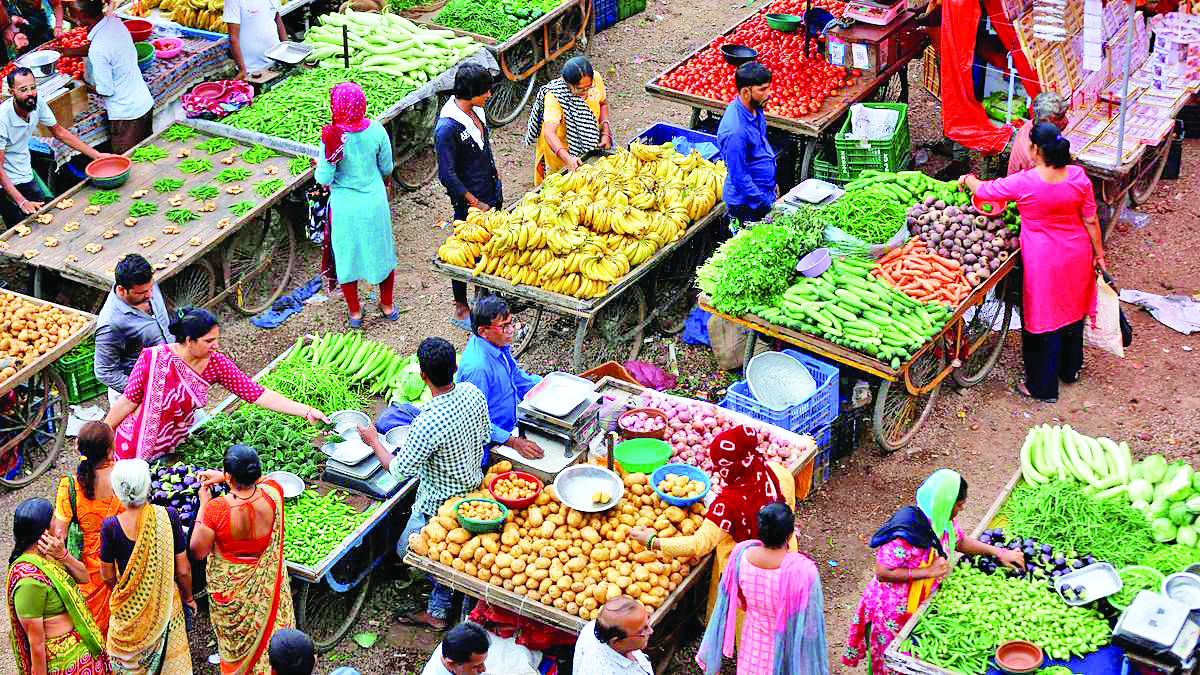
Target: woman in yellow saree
[(144, 557), (249, 595), (52, 630)]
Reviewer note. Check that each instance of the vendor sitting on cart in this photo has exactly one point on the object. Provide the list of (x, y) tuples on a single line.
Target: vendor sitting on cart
[(750, 187), (488, 363), (444, 450), (1049, 107)]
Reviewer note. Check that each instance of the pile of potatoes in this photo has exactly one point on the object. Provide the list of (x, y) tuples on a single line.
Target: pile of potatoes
[(566, 559), (30, 329)]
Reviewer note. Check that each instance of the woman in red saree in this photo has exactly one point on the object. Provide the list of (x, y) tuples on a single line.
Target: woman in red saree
[(170, 382), (241, 535)]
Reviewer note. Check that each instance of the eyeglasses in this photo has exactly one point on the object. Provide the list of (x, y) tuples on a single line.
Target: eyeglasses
[(27, 89), (504, 327)]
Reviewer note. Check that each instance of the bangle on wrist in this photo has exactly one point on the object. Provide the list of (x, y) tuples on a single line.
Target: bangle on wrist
[(650, 544)]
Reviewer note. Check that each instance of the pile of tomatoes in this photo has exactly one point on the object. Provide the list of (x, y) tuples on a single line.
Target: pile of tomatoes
[(800, 80), (72, 66)]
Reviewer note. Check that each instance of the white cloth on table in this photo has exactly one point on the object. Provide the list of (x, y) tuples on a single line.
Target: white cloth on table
[(14, 138), (593, 657), (113, 67), (258, 31)]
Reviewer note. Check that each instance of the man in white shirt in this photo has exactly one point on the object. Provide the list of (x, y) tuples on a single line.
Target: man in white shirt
[(254, 27), (462, 652), (612, 643), (24, 191), (114, 74)]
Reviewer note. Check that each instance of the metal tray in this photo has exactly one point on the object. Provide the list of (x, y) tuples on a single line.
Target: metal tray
[(1099, 579), (557, 400), (350, 451), (290, 53)]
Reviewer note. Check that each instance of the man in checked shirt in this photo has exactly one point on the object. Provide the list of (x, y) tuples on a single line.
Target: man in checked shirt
[(444, 450)]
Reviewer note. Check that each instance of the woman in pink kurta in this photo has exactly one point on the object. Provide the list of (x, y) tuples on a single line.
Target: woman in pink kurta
[(1060, 249), (170, 382)]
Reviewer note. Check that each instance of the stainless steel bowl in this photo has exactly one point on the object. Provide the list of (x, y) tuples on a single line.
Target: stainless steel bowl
[(345, 420), (576, 485), (291, 483), (1184, 588), (395, 438), (41, 62)]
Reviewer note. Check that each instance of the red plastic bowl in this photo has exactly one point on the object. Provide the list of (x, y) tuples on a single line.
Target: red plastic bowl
[(989, 208), (516, 503), (1019, 656), (108, 172), (209, 90), (139, 29), (167, 47)]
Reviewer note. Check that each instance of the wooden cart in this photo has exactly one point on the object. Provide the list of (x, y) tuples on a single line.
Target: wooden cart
[(611, 327), (890, 84), (255, 252), (564, 31), (966, 349), (34, 410), (1133, 181)]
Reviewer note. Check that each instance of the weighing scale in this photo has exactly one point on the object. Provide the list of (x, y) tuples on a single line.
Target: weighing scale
[(562, 415), (874, 12), (1157, 630), (350, 467)]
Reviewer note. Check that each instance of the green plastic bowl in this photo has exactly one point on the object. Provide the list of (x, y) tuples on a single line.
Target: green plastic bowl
[(786, 23), (480, 526), (642, 455)]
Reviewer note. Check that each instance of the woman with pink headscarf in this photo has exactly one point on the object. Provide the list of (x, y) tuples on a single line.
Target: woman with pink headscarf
[(356, 162)]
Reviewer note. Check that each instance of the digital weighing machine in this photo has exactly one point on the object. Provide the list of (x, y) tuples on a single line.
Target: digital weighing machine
[(874, 12), (562, 415), (353, 465), (1158, 632)]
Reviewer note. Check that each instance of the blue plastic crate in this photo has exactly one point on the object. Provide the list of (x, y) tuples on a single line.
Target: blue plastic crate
[(805, 418), (667, 133), (605, 13)]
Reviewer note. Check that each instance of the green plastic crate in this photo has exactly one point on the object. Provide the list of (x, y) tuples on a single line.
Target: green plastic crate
[(76, 368), (627, 8), (883, 155), (828, 172)]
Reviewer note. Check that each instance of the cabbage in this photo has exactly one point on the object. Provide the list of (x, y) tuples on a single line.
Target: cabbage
[(1159, 507), (1163, 529), (1135, 471), (1160, 490), (1141, 505), (1193, 503), (1140, 488), (1154, 468), (1196, 481), (1179, 514), (1180, 486), (1187, 536)]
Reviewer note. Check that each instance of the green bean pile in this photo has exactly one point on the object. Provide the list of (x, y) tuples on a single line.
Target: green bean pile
[(481, 18), (203, 192), (868, 215), (178, 133), (233, 175), (104, 198), (1133, 581), (316, 524), (242, 208), (258, 154), (141, 209), (268, 187), (215, 145), (320, 386), (167, 185), (1172, 558), (148, 153), (299, 107), (1061, 514), (181, 216), (195, 166), (299, 165)]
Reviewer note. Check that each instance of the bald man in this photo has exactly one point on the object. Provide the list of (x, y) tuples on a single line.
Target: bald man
[(1047, 107), (612, 643)]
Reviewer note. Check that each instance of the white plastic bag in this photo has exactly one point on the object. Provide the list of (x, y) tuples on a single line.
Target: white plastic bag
[(1103, 330), (872, 124)]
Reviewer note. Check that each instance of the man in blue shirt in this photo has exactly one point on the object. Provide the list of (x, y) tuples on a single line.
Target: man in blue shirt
[(488, 363), (750, 188)]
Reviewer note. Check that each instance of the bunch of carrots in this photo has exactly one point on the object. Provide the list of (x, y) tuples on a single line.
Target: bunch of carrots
[(925, 276)]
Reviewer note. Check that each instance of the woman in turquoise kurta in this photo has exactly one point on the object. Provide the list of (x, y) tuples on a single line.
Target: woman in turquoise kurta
[(355, 162)]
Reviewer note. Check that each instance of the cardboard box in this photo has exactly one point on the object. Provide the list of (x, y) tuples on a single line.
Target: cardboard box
[(868, 48), (68, 105)]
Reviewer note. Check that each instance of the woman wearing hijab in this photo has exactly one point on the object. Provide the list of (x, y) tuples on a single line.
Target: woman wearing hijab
[(569, 119), (751, 482), (356, 163), (241, 536), (780, 592), (912, 557), (52, 629)]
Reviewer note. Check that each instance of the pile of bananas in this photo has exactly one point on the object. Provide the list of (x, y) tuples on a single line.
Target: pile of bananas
[(584, 230), (199, 14)]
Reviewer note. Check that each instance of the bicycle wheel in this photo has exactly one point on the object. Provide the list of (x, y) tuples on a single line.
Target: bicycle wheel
[(898, 413), (326, 615), (615, 332), (193, 286), (33, 427), (982, 339), (415, 161), (508, 99), (258, 262)]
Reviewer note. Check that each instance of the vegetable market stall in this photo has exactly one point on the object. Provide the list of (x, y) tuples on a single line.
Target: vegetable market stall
[(805, 105), (216, 203), (651, 245), (565, 29), (33, 397)]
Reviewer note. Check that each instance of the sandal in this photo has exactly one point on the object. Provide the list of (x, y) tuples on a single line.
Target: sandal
[(354, 323), (1023, 391), (423, 618), (393, 316)]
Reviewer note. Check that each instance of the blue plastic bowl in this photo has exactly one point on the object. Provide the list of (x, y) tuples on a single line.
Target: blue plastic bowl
[(680, 469), (815, 263)]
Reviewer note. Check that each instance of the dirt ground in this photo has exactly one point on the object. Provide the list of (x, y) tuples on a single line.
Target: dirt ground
[(1148, 399)]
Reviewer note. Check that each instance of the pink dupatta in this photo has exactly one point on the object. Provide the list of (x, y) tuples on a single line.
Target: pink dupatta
[(173, 392), (797, 573)]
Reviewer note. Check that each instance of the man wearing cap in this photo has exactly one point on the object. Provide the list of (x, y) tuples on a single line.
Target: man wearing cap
[(1047, 107)]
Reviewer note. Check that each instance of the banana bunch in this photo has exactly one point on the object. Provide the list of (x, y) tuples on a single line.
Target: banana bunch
[(584, 230), (199, 14)]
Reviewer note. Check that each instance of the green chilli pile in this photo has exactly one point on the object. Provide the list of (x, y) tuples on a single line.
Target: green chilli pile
[(104, 197), (233, 175), (195, 166), (315, 524), (203, 192), (177, 133), (148, 153), (215, 145), (167, 185), (258, 154)]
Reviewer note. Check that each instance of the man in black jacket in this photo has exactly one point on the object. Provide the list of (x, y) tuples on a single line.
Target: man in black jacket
[(466, 167)]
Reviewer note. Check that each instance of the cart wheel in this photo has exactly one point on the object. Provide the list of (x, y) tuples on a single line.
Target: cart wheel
[(527, 319), (982, 342), (33, 426), (1143, 188), (509, 98), (258, 263), (412, 136), (326, 615), (193, 286), (615, 332), (899, 414), (676, 292), (573, 28)]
